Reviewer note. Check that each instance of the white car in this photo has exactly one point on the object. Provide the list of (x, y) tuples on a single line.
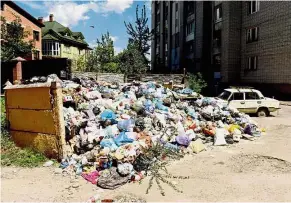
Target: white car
[(249, 100)]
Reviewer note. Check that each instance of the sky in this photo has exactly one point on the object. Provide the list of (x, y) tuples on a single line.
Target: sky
[(108, 15)]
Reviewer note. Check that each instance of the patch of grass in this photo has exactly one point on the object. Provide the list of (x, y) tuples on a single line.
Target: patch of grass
[(11, 155)]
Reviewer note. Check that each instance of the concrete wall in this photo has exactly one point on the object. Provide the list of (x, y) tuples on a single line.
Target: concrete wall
[(9, 14), (35, 117), (111, 77), (106, 77)]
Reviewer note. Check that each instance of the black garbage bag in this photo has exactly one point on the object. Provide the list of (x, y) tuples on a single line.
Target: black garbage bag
[(111, 179), (142, 163)]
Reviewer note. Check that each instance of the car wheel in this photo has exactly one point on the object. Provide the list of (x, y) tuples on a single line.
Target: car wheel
[(262, 113)]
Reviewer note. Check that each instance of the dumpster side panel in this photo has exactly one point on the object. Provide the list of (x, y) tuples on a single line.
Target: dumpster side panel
[(44, 143), (35, 117), (29, 98), (32, 121)]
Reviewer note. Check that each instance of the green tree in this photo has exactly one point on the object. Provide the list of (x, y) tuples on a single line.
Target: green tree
[(196, 82), (140, 34), (80, 63), (131, 61), (102, 57), (13, 44)]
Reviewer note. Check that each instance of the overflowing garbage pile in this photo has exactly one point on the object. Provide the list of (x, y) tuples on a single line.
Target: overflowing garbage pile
[(110, 125)]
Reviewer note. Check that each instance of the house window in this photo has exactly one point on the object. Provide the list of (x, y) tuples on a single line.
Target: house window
[(253, 6), (252, 34), (36, 55), (36, 35), (176, 7), (218, 13), (190, 28), (51, 48), (252, 63)]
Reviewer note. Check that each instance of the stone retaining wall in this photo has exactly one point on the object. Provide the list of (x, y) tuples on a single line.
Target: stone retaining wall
[(112, 77)]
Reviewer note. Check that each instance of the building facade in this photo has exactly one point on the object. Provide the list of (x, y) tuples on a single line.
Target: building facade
[(235, 42), (60, 41), (10, 11), (181, 29)]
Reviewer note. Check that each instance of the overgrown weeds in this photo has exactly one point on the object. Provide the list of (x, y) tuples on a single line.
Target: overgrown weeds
[(11, 155)]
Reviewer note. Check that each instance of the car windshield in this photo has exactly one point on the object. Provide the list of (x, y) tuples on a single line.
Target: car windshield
[(224, 95)]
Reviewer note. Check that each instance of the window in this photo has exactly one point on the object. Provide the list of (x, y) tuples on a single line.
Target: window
[(176, 7), (36, 55), (218, 13), (224, 95), (253, 6), (237, 96), (190, 7), (177, 40), (36, 35), (251, 95), (176, 22), (190, 28), (158, 18), (252, 34), (51, 48), (252, 63), (166, 47)]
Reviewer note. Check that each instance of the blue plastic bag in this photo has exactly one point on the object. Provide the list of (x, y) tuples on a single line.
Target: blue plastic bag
[(122, 139), (108, 115), (161, 107), (108, 143), (125, 125)]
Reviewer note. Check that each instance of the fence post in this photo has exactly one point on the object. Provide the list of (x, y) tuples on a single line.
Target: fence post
[(17, 69)]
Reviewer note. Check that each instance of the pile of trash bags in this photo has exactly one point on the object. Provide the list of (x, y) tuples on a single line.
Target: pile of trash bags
[(108, 126)]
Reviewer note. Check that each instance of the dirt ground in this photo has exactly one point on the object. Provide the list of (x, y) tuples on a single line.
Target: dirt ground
[(257, 170)]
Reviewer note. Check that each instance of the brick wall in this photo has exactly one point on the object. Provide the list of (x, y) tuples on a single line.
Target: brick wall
[(273, 47), (9, 14)]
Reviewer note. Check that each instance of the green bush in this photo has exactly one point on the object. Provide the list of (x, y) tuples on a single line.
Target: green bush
[(196, 82)]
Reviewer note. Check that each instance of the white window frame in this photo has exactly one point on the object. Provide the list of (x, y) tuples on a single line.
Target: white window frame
[(190, 27), (218, 13), (51, 48), (250, 34), (257, 7), (249, 66)]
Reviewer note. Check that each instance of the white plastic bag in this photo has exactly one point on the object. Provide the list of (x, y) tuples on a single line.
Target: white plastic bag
[(219, 137)]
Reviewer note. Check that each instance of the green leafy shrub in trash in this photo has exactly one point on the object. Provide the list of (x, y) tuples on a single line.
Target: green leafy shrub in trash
[(196, 82), (154, 161), (11, 155)]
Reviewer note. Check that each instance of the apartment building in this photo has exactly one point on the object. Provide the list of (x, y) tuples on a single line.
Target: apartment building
[(235, 42), (10, 11), (182, 34)]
